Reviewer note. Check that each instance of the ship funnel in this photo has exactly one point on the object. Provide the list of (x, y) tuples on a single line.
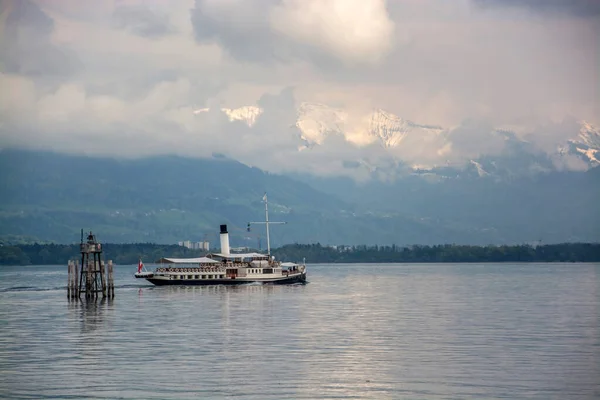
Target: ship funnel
[(224, 240)]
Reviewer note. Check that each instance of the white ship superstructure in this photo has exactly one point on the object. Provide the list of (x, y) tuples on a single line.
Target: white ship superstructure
[(226, 268)]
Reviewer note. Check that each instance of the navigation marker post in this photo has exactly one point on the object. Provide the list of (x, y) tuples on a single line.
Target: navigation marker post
[(91, 278)]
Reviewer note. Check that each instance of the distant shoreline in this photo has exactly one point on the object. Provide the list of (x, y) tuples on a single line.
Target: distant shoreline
[(124, 254)]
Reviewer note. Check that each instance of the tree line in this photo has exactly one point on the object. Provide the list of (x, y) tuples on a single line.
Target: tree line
[(564, 252), (56, 254)]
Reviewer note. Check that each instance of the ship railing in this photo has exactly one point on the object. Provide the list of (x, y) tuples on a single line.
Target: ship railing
[(210, 268), (201, 270)]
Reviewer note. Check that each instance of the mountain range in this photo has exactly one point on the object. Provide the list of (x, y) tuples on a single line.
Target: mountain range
[(165, 199), (405, 147)]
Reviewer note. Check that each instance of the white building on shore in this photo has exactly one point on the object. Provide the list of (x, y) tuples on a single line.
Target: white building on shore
[(195, 245)]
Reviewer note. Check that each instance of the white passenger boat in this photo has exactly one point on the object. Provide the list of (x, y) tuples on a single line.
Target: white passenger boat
[(226, 268)]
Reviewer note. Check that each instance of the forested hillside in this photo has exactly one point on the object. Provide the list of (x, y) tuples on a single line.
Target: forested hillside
[(48, 197)]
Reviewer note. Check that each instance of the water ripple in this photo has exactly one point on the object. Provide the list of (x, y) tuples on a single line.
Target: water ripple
[(355, 332)]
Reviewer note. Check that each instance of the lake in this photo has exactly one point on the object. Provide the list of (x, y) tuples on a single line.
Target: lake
[(419, 331)]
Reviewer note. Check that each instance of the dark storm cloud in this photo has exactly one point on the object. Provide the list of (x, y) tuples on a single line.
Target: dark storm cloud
[(27, 15), (246, 39), (25, 46), (581, 8), (141, 21), (244, 33)]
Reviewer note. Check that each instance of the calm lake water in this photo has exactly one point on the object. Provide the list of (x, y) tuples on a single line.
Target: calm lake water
[(436, 331)]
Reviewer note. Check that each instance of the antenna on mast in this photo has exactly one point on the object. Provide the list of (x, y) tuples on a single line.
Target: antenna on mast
[(267, 222)]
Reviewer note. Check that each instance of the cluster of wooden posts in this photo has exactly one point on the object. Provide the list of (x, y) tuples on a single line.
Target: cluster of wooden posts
[(92, 279)]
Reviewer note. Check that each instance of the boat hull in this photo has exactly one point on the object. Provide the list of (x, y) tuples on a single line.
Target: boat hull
[(296, 278)]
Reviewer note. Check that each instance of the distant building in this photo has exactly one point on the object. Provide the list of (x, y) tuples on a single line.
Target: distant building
[(195, 245)]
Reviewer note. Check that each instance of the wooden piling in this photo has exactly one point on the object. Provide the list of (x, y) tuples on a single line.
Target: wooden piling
[(77, 286), (111, 283), (88, 279), (73, 293), (95, 287), (69, 278), (103, 276), (76, 291), (73, 279)]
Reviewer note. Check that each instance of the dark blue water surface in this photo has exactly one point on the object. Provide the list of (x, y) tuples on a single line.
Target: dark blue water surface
[(436, 331)]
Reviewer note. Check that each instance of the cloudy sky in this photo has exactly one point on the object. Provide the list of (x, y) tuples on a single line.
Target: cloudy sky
[(124, 76)]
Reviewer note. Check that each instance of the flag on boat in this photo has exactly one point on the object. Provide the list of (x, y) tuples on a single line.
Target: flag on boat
[(265, 197), (140, 265)]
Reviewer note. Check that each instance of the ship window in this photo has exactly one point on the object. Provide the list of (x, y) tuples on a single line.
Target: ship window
[(203, 276), (196, 276), (190, 276), (268, 271), (210, 277)]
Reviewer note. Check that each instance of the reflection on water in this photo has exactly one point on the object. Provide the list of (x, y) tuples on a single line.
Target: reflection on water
[(393, 331), (91, 312)]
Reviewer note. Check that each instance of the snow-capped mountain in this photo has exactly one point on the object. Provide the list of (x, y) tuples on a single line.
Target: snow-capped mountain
[(316, 121), (474, 148), (391, 130), (586, 144), (246, 114)]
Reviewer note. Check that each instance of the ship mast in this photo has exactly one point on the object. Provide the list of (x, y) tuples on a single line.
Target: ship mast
[(267, 222)]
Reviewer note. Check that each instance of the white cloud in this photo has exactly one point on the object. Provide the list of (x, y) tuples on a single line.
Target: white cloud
[(357, 31), (131, 88)]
